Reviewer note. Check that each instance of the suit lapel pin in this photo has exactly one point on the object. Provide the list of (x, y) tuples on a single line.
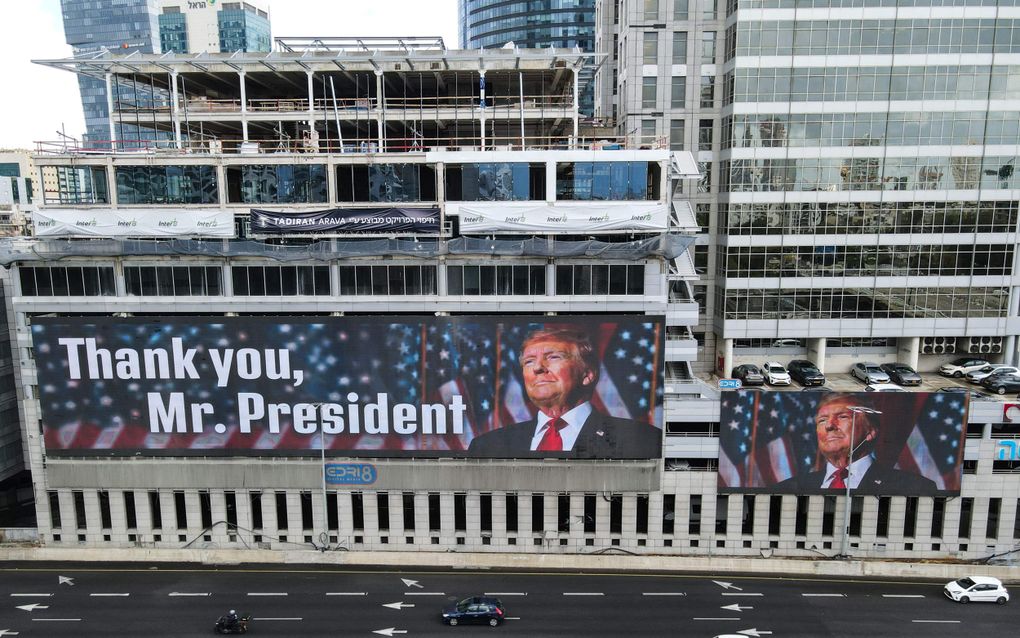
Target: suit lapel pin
[(877, 482), (600, 433)]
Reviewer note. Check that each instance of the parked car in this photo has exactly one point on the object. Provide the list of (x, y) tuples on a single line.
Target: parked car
[(901, 374), (868, 373), (883, 387), (957, 389), (1002, 383), (805, 372), (978, 589), (978, 376), (749, 374), (775, 373), (961, 366), (479, 610)]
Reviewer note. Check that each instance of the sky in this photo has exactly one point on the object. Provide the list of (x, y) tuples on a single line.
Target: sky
[(38, 101)]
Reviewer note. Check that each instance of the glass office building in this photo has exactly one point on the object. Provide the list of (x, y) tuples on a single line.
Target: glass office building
[(487, 24), (243, 28), (117, 25)]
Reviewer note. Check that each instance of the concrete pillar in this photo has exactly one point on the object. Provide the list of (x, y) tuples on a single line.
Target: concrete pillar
[(575, 109), (481, 104), (109, 111), (725, 363), (816, 352), (907, 349), (380, 110), (175, 109), (311, 99), (244, 106)]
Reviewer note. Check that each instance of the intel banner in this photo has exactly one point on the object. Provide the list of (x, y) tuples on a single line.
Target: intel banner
[(497, 387), (346, 220), (133, 222), (902, 443)]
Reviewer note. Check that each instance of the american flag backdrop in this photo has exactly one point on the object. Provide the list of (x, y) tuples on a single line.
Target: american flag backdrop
[(768, 437), (413, 360)]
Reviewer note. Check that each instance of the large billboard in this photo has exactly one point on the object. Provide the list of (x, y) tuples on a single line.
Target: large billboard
[(494, 387), (904, 443)]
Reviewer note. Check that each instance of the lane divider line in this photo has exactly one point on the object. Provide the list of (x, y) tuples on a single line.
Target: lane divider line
[(346, 593), (106, 595), (583, 593), (424, 593), (824, 595), (267, 593), (955, 622), (505, 593), (732, 593), (716, 619), (31, 595), (663, 593), (902, 595)]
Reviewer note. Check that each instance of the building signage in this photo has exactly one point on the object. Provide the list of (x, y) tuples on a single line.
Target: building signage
[(346, 220), (483, 217), (905, 444), (730, 384), (374, 386), (350, 474), (1007, 450), (131, 222)]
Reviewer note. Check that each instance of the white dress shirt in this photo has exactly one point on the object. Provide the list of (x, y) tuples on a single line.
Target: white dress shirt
[(857, 471), (574, 419)]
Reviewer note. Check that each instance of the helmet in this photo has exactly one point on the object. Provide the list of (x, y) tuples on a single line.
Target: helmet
[(232, 612)]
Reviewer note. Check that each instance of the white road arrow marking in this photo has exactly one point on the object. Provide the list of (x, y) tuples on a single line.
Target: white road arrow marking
[(8, 632), (737, 608), (726, 585), (389, 631), (64, 580), (755, 632), (411, 583), (33, 607), (398, 606), (184, 593)]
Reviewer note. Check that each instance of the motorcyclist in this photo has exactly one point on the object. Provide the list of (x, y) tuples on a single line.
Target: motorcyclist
[(232, 619)]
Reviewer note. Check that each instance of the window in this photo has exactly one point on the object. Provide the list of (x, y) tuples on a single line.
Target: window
[(255, 501), (650, 10), (495, 182), (828, 515), (230, 505), (181, 510), (511, 513), (537, 512), (801, 516), (282, 519), (80, 521), (612, 181), (678, 92), (709, 10), (276, 184), (708, 47), (495, 280), (641, 514), (707, 91), (694, 520), (680, 9), (435, 512), (387, 280), (650, 48), (615, 514), (382, 504), (590, 513), (649, 97), (679, 47), (104, 509), (407, 507), (775, 514), (166, 185), (747, 515), (563, 513), (676, 135), (600, 279), (75, 185), (704, 135), (882, 520), (460, 512), (67, 281), (910, 517), (173, 281), (938, 516), (485, 515), (649, 133), (358, 511), (386, 183), (668, 513), (271, 281), (155, 511), (54, 500)]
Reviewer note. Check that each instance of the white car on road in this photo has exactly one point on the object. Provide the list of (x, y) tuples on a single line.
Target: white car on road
[(977, 588)]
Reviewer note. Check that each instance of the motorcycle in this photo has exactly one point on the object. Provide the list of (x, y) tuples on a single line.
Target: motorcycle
[(224, 626)]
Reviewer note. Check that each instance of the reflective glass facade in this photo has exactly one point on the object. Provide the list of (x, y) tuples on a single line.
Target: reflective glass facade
[(243, 30), (173, 32), (118, 25), (487, 24)]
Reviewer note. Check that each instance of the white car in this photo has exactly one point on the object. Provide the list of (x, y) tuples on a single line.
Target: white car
[(961, 366), (883, 387), (977, 588), (775, 373), (978, 376)]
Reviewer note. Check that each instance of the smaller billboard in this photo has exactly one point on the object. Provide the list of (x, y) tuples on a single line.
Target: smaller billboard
[(889, 443), (346, 220), (131, 222), (512, 217)]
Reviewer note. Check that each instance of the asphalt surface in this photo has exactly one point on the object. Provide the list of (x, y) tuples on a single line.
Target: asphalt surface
[(75, 600)]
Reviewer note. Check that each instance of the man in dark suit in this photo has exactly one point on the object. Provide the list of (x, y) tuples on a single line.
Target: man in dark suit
[(561, 370), (834, 425)]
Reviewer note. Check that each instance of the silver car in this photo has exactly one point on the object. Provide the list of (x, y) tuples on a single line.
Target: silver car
[(869, 373)]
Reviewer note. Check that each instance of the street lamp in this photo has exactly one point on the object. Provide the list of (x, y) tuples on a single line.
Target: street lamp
[(324, 538), (854, 410)]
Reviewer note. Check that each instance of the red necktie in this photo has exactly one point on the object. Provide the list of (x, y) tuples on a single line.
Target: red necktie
[(551, 440), (837, 481)]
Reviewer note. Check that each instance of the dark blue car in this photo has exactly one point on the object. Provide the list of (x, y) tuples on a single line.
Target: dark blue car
[(479, 610)]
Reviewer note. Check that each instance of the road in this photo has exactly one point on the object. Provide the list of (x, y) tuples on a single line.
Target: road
[(81, 600)]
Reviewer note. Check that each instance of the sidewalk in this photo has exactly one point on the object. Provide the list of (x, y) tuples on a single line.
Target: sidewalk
[(406, 561)]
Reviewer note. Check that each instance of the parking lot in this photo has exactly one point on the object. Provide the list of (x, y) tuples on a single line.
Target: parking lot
[(931, 382)]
